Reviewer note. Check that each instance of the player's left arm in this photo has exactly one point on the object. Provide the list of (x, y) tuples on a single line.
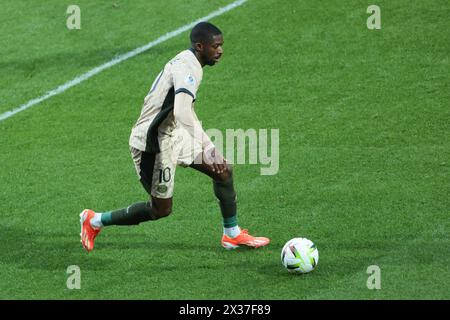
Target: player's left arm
[(185, 115)]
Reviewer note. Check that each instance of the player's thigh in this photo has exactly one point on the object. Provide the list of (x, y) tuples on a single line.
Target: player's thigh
[(156, 171), (191, 155)]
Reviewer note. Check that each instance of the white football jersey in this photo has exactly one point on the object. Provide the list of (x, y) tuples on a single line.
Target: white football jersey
[(181, 74)]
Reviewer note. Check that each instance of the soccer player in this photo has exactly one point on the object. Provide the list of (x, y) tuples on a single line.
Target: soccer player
[(168, 133)]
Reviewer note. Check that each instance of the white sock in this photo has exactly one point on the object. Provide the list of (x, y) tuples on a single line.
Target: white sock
[(96, 221), (232, 232)]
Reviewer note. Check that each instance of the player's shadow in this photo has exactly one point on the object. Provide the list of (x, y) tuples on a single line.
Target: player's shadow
[(138, 241), (55, 251), (43, 250)]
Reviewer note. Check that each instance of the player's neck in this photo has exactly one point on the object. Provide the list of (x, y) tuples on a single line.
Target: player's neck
[(196, 54)]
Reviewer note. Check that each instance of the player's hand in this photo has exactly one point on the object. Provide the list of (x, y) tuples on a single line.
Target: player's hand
[(215, 159)]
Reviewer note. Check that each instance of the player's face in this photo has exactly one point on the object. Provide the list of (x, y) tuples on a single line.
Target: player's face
[(213, 51)]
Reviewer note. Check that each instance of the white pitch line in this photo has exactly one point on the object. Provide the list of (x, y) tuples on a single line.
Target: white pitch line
[(118, 60)]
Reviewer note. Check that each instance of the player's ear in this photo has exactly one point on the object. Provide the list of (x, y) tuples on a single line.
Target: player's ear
[(199, 46)]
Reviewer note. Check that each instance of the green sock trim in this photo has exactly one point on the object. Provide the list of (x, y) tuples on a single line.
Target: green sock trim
[(230, 222), (106, 218)]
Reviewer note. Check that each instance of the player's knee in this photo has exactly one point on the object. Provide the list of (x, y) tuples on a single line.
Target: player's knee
[(161, 209), (163, 212), (225, 175)]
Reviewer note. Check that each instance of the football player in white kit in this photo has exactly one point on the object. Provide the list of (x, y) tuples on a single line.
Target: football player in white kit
[(167, 134)]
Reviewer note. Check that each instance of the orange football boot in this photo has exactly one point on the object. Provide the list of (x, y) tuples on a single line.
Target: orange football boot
[(88, 233), (243, 239)]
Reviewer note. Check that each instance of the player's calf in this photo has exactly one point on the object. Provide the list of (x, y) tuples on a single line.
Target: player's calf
[(134, 214)]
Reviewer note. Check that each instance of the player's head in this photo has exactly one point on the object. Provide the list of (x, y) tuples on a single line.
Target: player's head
[(207, 41)]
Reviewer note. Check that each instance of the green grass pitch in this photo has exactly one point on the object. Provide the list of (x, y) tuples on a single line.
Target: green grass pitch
[(364, 122)]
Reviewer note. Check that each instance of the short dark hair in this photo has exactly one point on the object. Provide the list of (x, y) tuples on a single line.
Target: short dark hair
[(204, 32)]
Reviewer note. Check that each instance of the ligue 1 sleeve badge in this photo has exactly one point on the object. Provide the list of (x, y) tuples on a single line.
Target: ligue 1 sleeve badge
[(190, 80)]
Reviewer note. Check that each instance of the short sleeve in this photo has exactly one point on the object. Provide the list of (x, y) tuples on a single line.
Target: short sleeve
[(184, 80)]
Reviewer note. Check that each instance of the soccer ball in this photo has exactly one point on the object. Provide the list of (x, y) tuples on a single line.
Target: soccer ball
[(299, 255)]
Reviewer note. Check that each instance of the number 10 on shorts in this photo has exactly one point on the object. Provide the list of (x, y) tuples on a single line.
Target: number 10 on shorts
[(164, 175)]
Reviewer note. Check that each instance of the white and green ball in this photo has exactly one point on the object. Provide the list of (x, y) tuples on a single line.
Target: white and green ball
[(299, 255)]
